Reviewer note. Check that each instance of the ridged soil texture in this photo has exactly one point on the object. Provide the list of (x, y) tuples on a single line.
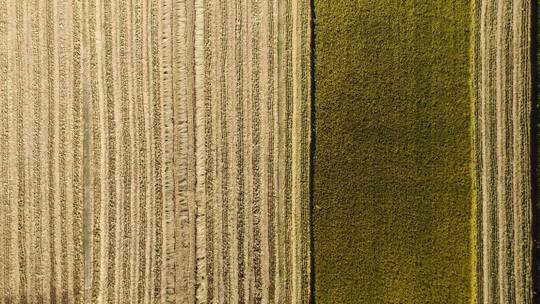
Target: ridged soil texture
[(154, 151), (502, 136)]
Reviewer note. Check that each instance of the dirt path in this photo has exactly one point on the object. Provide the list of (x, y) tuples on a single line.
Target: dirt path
[(502, 144), (155, 151)]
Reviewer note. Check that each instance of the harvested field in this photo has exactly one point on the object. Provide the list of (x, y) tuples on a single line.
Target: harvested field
[(502, 141), (392, 183), (154, 151)]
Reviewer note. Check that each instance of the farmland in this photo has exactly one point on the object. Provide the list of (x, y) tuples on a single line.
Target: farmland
[(154, 151), (393, 152), (502, 141)]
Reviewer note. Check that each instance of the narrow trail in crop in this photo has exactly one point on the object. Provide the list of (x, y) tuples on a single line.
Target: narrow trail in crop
[(502, 109), (154, 151)]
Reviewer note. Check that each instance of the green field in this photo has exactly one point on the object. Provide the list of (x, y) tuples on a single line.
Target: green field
[(392, 220)]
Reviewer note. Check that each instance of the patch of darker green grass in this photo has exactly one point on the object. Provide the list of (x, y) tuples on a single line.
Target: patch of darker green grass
[(392, 183)]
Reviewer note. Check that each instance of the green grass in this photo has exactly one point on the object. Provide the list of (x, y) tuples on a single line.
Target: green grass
[(393, 152)]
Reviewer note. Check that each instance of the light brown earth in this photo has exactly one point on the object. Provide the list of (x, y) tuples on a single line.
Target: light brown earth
[(502, 108), (154, 151)]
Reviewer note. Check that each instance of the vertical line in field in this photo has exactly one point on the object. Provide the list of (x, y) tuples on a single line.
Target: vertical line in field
[(281, 144), (222, 227), (296, 141), (492, 110), (272, 110), (66, 149), (30, 117), (123, 27), (507, 252), (191, 142), (288, 210), (137, 214), (223, 155), (87, 185), (62, 106), (255, 96), (21, 159), (110, 153), (231, 157), (285, 153), (99, 146), (168, 184), (132, 233), (72, 153), (477, 141), (246, 148), (183, 238), (239, 151), (281, 229), (217, 165), (200, 151), (504, 187), (486, 195), (149, 102), (13, 252), (521, 31), (262, 130), (4, 177), (209, 149), (305, 99), (77, 143), (119, 151), (141, 148), (217, 205), (51, 34), (157, 253), (134, 208)]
